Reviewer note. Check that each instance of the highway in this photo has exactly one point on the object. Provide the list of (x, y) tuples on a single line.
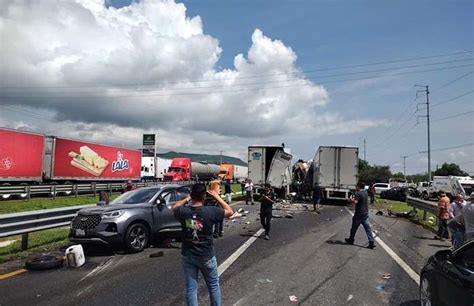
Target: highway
[(305, 257)]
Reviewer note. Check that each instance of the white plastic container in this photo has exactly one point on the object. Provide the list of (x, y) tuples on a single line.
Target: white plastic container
[(75, 256)]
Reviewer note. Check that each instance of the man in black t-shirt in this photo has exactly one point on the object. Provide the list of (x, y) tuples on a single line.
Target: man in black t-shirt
[(361, 216), (266, 208), (197, 248)]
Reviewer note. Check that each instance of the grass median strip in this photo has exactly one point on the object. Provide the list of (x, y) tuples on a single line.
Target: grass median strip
[(38, 242)]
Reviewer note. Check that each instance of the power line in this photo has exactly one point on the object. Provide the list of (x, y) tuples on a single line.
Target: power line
[(257, 83), (239, 90), (449, 148), (255, 76), (452, 99), (453, 116)]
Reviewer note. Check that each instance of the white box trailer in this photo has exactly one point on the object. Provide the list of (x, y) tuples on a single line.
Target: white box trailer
[(240, 172), (336, 170), (269, 164), (153, 168)]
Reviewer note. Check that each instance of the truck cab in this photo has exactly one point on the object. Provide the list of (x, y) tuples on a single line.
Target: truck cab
[(180, 170)]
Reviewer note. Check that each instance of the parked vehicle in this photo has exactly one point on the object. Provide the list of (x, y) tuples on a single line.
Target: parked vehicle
[(379, 187), (336, 169), (131, 220), (447, 278), (448, 184), (27, 158), (467, 184), (183, 169), (233, 172), (397, 182), (396, 193), (154, 168), (270, 164)]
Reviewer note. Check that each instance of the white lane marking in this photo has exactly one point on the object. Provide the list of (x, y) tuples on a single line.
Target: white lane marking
[(395, 257), (84, 290), (232, 258), (98, 269)]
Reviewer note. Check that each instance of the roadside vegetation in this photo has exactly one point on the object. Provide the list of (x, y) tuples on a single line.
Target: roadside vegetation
[(402, 207)]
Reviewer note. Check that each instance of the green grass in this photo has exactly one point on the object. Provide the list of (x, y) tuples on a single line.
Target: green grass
[(13, 206), (38, 242), (399, 207)]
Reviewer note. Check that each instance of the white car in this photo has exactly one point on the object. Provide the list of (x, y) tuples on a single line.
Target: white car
[(379, 187)]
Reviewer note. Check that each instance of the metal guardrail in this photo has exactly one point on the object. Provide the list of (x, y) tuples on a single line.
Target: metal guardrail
[(424, 205), (38, 220), (26, 191)]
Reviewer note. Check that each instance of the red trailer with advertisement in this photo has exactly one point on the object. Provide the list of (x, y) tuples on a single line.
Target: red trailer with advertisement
[(21, 156), (74, 160)]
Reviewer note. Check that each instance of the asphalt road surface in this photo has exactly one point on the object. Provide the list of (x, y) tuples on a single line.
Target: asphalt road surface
[(305, 257)]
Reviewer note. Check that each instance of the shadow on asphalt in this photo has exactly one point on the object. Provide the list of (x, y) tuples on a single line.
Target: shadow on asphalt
[(411, 303), (340, 242), (424, 238), (444, 246)]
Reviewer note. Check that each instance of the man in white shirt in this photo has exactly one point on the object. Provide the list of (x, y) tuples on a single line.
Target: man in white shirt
[(468, 219), (249, 191)]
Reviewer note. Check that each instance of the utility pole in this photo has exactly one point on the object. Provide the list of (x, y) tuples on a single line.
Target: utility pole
[(427, 93), (365, 150), (404, 168), (221, 157)]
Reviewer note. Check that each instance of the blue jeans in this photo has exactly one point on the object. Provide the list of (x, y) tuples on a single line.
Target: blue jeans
[(191, 267), (457, 232), (364, 220)]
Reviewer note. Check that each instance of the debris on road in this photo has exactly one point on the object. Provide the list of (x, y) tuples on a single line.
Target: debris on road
[(387, 276), (248, 222), (289, 216), (350, 297), (305, 206), (380, 287), (264, 281), (328, 219), (406, 214), (236, 215), (240, 210), (43, 262), (157, 254), (379, 213), (293, 298), (277, 216)]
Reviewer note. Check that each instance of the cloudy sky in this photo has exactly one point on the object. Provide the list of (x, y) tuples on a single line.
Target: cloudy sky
[(217, 75)]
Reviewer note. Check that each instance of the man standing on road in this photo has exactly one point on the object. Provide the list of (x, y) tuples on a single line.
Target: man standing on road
[(228, 191), (249, 191), (197, 248), (316, 197), (266, 208), (468, 219), (443, 216), (371, 192), (361, 216), (455, 227)]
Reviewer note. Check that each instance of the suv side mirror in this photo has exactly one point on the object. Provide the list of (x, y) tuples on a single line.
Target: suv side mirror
[(443, 255)]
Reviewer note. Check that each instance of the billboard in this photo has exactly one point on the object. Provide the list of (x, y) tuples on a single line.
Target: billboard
[(21, 154), (149, 141), (80, 159)]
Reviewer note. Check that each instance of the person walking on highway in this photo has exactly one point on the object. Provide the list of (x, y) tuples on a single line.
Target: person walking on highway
[(218, 226), (228, 191), (361, 216), (455, 224), (316, 197), (249, 191), (443, 216), (371, 192), (266, 209), (467, 219), (197, 248)]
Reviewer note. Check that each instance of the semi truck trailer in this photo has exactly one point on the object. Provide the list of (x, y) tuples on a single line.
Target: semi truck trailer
[(154, 168), (184, 169)]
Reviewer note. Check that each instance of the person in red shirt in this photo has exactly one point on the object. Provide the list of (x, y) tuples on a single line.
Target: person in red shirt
[(443, 216)]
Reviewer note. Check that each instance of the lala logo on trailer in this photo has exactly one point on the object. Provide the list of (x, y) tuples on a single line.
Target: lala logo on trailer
[(120, 164)]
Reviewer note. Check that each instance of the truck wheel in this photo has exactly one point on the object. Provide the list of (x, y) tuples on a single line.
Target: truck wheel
[(6, 196), (23, 195), (425, 196), (136, 238)]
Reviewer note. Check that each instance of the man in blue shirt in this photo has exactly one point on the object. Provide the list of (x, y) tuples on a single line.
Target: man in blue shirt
[(197, 249), (361, 216)]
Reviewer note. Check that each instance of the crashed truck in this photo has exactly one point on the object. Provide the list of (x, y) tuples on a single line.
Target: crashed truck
[(334, 168), (272, 165)]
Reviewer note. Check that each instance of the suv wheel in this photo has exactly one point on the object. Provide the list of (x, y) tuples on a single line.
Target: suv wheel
[(426, 291), (136, 238)]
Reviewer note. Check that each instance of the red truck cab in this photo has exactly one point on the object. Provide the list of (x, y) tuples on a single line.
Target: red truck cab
[(180, 170)]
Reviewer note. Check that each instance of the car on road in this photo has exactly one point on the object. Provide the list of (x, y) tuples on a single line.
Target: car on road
[(448, 278), (396, 193), (131, 220), (379, 187)]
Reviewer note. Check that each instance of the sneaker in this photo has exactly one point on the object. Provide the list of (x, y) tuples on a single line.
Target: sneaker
[(267, 237), (371, 245), (215, 235), (220, 234), (348, 241)]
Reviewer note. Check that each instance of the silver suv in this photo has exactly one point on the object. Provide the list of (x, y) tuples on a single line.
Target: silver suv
[(130, 220)]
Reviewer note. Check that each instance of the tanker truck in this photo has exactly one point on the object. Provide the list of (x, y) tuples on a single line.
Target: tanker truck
[(183, 169)]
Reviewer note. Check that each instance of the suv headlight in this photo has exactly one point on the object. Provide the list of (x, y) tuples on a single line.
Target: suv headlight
[(113, 214)]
